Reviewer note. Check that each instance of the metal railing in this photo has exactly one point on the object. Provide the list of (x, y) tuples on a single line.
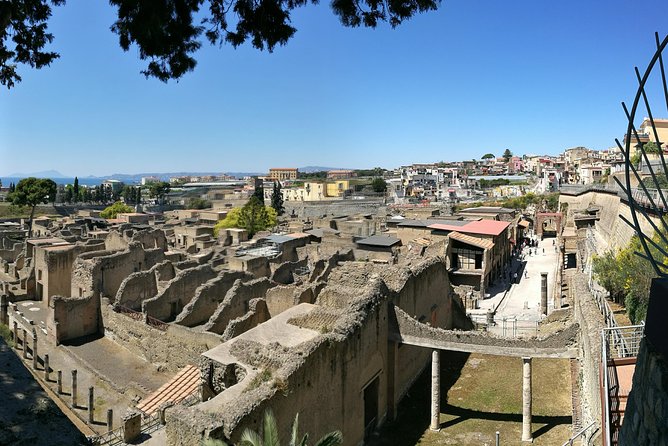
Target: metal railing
[(570, 441), (622, 342), (136, 315), (156, 323), (110, 438), (617, 343)]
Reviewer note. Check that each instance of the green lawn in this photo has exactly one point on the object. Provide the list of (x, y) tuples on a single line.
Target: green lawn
[(481, 395)]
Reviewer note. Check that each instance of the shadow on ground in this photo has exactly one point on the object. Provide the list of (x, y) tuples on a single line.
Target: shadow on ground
[(27, 415), (414, 410)]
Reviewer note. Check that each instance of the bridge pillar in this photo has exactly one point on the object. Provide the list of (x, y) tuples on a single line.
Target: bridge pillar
[(435, 391), (526, 399)]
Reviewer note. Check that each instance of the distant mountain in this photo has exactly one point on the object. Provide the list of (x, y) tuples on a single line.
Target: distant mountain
[(311, 169), (165, 176), (42, 174)]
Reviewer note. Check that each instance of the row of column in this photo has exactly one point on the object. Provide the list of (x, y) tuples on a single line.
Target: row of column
[(59, 380), (435, 423)]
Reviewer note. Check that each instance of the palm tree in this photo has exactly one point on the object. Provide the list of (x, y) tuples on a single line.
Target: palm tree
[(270, 438)]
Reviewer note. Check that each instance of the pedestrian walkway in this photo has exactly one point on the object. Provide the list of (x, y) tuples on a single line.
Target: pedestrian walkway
[(118, 377), (517, 298), (523, 299)]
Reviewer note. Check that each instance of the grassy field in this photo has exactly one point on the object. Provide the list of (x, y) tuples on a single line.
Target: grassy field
[(9, 211), (481, 395)]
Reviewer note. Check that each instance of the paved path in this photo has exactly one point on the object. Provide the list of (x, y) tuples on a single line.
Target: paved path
[(522, 300), (119, 377), (27, 414)]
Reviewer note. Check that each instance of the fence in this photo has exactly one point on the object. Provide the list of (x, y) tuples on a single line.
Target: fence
[(138, 316), (618, 343), (148, 424)]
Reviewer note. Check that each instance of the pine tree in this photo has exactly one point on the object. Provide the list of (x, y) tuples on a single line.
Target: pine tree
[(277, 199), (75, 190)]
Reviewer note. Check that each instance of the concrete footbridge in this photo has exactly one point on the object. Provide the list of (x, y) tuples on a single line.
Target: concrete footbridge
[(407, 330)]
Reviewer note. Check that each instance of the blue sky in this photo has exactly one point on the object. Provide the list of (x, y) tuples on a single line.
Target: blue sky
[(473, 77)]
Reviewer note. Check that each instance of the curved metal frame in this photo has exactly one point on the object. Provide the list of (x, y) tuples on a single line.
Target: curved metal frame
[(632, 135)]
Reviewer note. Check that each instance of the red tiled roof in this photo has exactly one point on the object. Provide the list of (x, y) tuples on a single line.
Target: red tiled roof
[(485, 227), (184, 384), (470, 240), (444, 227), (481, 227)]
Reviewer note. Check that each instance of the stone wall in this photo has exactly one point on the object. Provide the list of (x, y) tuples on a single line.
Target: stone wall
[(136, 288), (177, 293), (326, 376), (613, 232), (257, 313), (339, 207), (236, 303), (284, 273), (74, 317), (207, 298), (170, 350), (282, 297), (591, 322), (646, 417), (101, 273)]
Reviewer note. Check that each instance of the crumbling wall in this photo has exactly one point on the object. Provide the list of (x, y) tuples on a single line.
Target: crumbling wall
[(257, 266), (436, 249), (178, 292), (257, 313), (322, 270), (11, 253), (170, 350), (236, 303), (74, 317), (207, 298), (101, 273), (165, 271), (136, 288), (151, 238), (284, 273)]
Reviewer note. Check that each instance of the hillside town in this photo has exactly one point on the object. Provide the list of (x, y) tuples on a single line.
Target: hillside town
[(182, 309)]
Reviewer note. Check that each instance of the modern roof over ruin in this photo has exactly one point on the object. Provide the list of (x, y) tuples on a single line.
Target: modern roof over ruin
[(379, 240), (481, 227), (470, 240)]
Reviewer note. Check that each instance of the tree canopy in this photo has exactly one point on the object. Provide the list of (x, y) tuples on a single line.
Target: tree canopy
[(487, 156), (277, 199), (628, 277), (379, 185), (507, 154), (168, 33), (252, 217), (117, 208), (31, 192), (159, 189)]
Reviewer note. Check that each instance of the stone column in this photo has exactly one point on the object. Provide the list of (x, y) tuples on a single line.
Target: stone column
[(46, 368), (25, 344), (60, 382), (490, 318), (435, 391), (4, 313), (526, 399), (16, 334), (110, 419), (543, 293), (91, 404), (74, 388), (34, 348)]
